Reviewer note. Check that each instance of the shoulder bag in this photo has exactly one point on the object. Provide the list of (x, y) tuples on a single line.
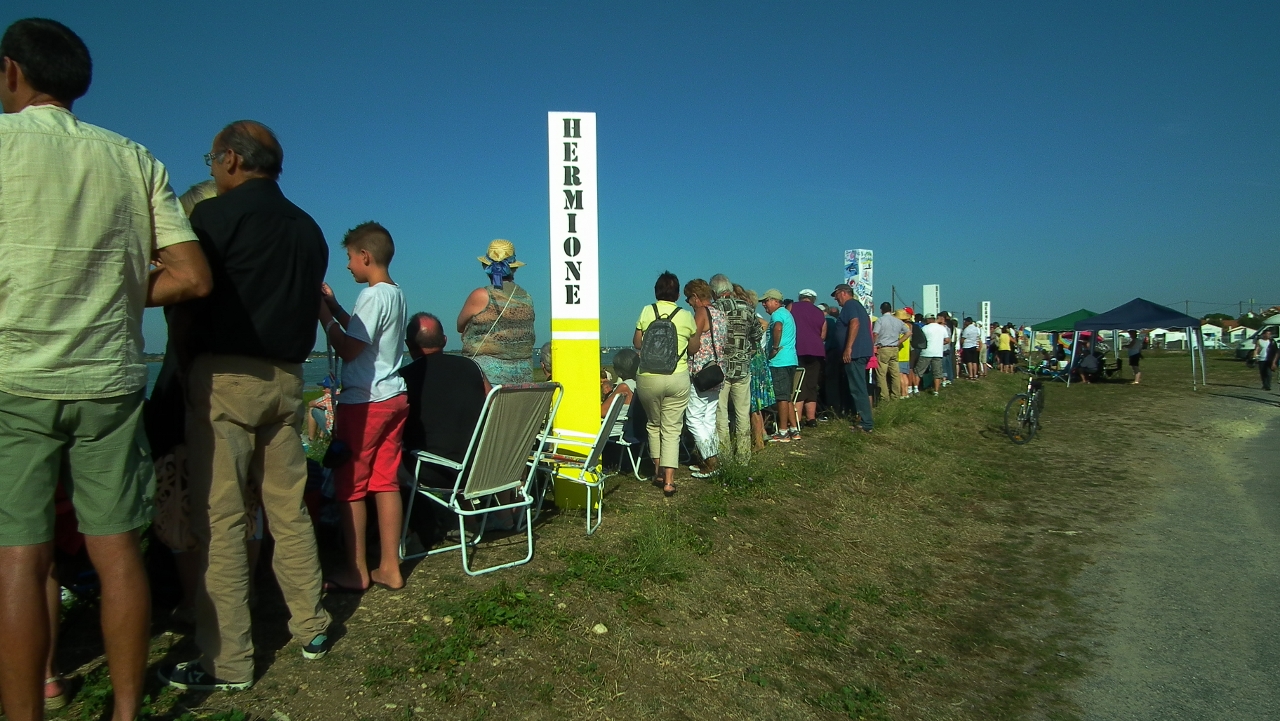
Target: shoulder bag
[(713, 375)]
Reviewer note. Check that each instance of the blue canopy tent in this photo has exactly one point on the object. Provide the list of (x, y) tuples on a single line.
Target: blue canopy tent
[(1139, 313)]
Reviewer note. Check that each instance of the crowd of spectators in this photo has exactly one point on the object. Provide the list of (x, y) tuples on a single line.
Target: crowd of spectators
[(240, 271)]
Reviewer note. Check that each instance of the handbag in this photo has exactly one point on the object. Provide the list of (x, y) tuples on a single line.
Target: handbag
[(712, 375)]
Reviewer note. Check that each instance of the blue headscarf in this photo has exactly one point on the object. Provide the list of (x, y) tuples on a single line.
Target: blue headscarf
[(500, 269)]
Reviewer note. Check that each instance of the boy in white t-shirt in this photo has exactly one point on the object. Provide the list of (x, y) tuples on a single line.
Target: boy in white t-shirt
[(372, 407)]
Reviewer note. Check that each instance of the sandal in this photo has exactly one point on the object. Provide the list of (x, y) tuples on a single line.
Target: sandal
[(668, 493), (59, 699)]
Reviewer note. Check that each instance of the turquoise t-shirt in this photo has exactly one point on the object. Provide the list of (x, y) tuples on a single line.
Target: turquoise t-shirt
[(786, 355)]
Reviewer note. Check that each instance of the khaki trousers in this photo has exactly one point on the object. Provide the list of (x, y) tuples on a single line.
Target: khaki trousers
[(243, 421), (664, 399), (735, 398), (888, 372)]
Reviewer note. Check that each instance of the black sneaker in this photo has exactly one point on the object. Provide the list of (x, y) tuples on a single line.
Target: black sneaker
[(317, 649), (190, 676)]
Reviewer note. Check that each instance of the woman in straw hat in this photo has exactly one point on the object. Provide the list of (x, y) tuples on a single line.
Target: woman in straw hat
[(496, 322)]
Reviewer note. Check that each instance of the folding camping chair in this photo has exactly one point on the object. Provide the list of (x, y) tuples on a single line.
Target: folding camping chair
[(632, 438), (1054, 374), (514, 419), (584, 470)]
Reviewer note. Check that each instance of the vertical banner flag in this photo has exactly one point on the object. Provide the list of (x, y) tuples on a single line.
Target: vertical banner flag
[(575, 268), (986, 316), (857, 273), (932, 299)]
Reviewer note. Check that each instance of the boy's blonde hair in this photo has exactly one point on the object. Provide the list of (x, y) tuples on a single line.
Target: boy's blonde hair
[(374, 238)]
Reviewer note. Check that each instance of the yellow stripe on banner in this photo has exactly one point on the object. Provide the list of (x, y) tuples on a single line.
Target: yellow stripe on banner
[(575, 324)]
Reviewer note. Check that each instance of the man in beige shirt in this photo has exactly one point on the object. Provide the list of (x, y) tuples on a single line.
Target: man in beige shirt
[(83, 215)]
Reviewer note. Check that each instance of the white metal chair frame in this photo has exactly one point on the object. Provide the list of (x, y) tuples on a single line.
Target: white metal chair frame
[(630, 449), (797, 380), (584, 470), (468, 487), (797, 377)]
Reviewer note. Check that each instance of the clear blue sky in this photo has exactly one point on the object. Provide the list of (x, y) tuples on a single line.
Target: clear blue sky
[(1044, 156)]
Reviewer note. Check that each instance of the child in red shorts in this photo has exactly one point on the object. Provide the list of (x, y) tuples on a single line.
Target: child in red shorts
[(372, 407)]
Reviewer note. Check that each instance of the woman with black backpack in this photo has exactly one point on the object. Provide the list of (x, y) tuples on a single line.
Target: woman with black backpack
[(665, 335)]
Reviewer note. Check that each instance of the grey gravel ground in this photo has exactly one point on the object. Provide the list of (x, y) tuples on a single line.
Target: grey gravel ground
[(1189, 594)]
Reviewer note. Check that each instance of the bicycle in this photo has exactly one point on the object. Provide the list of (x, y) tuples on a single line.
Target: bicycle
[(1022, 413)]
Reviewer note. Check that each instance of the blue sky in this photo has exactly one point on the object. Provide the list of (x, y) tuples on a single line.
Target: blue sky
[(1044, 156)]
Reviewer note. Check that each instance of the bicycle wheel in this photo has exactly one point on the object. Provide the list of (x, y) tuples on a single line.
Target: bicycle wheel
[(1018, 419)]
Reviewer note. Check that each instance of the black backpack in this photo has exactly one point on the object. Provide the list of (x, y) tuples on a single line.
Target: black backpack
[(918, 339), (660, 347)]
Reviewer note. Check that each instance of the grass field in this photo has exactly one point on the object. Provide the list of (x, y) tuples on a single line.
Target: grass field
[(921, 573)]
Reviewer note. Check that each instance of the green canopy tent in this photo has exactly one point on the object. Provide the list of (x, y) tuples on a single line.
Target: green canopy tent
[(1064, 324), (1061, 324)]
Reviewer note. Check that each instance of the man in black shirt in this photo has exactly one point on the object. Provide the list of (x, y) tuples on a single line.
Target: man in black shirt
[(446, 394), (245, 407)]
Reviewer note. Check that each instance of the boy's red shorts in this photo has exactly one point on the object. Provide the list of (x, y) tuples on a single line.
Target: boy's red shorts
[(372, 431)]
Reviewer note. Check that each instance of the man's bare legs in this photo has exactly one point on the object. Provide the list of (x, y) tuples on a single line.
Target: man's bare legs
[(355, 520), (390, 519), (355, 524), (126, 616), (24, 624), (53, 606)]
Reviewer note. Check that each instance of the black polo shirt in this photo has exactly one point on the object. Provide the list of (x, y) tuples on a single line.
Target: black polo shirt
[(268, 259), (445, 393)]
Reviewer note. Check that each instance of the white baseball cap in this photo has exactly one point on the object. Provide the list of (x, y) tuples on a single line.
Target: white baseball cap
[(808, 293)]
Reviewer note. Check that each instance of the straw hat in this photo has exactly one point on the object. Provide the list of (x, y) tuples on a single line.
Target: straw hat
[(902, 314), (500, 250)]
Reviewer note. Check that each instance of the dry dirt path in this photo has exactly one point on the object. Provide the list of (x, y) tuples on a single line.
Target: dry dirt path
[(1188, 594)]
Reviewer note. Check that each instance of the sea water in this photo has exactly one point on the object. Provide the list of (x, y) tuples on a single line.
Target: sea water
[(314, 371)]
